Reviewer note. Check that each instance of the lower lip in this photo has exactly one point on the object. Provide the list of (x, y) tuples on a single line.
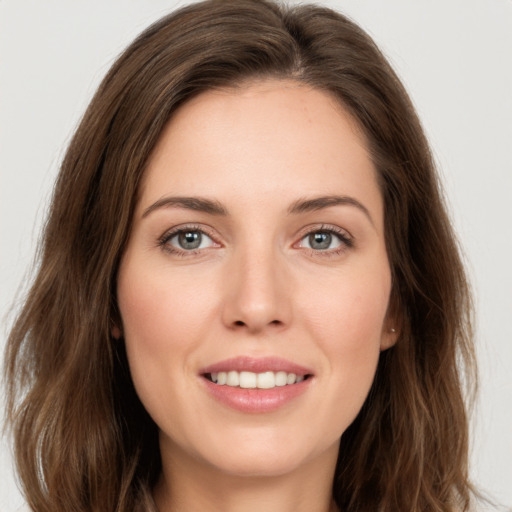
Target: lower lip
[(256, 400)]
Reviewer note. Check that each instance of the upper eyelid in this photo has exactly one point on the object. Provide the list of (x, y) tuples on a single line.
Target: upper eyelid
[(331, 228), (169, 233)]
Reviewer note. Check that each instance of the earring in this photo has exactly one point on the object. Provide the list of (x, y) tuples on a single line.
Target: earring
[(393, 330)]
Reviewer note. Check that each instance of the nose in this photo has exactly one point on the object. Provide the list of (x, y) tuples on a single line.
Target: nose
[(257, 293)]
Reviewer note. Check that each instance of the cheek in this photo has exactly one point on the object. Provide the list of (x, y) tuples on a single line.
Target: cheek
[(348, 324), (166, 315), (159, 310), (160, 319), (351, 312), (145, 330), (146, 314), (352, 341)]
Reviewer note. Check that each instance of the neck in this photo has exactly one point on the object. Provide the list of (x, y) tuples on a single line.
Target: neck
[(188, 485)]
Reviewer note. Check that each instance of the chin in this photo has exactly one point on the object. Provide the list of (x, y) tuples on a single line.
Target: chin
[(268, 458), (259, 466)]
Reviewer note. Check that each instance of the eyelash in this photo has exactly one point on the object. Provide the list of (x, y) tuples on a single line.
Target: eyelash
[(346, 240), (164, 240)]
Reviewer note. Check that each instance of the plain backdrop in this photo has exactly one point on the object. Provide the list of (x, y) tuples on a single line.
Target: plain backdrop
[(455, 58)]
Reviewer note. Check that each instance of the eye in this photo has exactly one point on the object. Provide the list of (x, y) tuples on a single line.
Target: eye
[(326, 240), (186, 240), (321, 241)]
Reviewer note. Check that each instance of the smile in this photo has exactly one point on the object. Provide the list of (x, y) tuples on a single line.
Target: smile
[(256, 385), (251, 380)]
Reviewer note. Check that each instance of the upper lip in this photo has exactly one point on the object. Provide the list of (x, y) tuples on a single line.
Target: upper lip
[(256, 365)]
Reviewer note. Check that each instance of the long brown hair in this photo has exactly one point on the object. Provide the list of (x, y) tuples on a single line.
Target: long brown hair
[(83, 441)]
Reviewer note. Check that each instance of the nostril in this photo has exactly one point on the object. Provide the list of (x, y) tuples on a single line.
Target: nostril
[(241, 323)]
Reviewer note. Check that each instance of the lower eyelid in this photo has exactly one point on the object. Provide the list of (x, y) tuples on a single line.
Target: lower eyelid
[(331, 253)]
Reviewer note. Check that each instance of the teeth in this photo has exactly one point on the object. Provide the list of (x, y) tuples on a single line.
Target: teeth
[(233, 379), (282, 378), (266, 380), (290, 378), (250, 380)]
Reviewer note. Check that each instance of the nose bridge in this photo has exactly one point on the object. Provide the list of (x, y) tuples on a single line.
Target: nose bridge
[(257, 294)]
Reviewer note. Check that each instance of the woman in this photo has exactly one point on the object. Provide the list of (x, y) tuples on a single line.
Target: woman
[(249, 295)]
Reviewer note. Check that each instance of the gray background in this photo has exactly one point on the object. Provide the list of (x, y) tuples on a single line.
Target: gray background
[(455, 59)]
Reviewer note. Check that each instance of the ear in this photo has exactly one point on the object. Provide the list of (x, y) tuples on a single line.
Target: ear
[(389, 337), (115, 331), (391, 327), (116, 324)]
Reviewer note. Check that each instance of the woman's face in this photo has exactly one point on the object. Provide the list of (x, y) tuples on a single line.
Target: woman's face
[(256, 258)]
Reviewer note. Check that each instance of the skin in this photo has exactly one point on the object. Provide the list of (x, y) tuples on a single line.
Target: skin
[(256, 287)]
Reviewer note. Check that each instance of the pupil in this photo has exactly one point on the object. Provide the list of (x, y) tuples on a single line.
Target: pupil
[(189, 239), (320, 241)]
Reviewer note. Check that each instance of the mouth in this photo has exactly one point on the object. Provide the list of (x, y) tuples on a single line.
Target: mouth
[(256, 384), (252, 380), (256, 373)]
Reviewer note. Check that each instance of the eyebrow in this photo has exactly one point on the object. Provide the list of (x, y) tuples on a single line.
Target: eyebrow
[(213, 207), (189, 203), (319, 203)]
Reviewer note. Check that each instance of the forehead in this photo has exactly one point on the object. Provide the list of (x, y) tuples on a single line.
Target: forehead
[(264, 137)]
